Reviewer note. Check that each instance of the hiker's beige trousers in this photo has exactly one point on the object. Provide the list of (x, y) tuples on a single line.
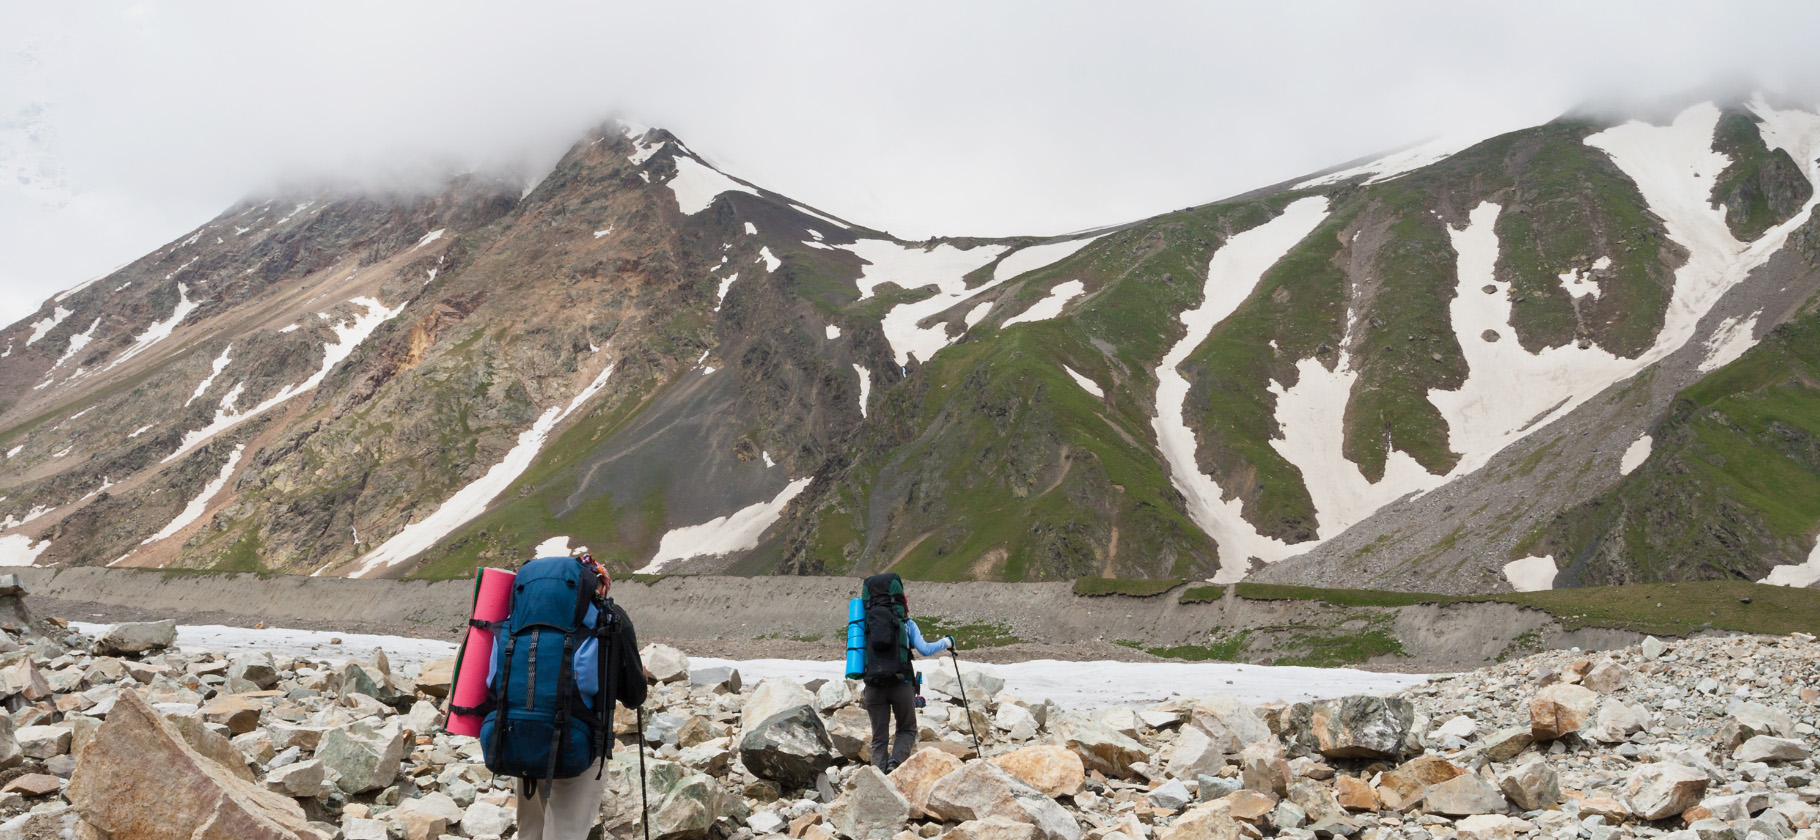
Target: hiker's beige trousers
[(566, 811)]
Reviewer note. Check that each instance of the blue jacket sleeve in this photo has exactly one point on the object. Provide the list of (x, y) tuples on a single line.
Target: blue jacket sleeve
[(916, 640)]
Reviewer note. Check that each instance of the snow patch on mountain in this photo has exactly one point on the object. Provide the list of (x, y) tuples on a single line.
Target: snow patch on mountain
[(737, 531), (216, 367), (1729, 340), (193, 511), (943, 267), (771, 261), (1086, 384), (726, 283), (1033, 257), (1396, 163), (833, 332), (1231, 275), (19, 550), (696, 185), (44, 325), (1797, 575), (432, 236), (472, 500), (77, 342), (348, 336), (865, 387), (1531, 574), (1051, 306), (160, 330), (1635, 454)]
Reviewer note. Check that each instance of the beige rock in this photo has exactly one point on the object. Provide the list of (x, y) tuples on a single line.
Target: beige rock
[(421, 826), (436, 677), (1490, 827), (1249, 805), (1402, 788), (771, 697), (189, 797), (1464, 796), (1559, 709), (239, 714), (211, 744), (1263, 768), (34, 784), (1531, 785), (1354, 794), (1606, 676), (1053, 770), (993, 828), (1604, 806), (1203, 822), (871, 808), (980, 790), (918, 775), (1101, 748), (1660, 790), (1194, 754)]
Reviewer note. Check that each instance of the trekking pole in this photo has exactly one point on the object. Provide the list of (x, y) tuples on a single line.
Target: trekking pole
[(955, 655), (644, 796)]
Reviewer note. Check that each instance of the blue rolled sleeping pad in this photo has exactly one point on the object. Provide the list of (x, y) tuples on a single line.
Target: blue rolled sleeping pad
[(856, 639)]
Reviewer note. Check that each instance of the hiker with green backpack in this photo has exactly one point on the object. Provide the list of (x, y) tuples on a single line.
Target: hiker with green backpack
[(889, 635)]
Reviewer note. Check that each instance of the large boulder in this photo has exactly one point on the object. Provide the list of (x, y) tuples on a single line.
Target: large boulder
[(1194, 754), (253, 667), (666, 664), (437, 677), (791, 747), (1531, 785), (980, 790), (139, 779), (684, 804), (917, 776), (1099, 747), (1361, 726), (1463, 796), (1747, 720), (363, 757), (992, 828), (1224, 713), (1053, 770), (1771, 749), (1615, 720), (1559, 709), (872, 808), (980, 684), (1660, 790), (772, 697), (137, 637)]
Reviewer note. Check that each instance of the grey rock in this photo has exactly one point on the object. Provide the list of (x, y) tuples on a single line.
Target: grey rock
[(1531, 785), (137, 637), (361, 756), (791, 748), (1659, 790), (1172, 795), (871, 808), (1464, 796), (1361, 726), (1766, 748)]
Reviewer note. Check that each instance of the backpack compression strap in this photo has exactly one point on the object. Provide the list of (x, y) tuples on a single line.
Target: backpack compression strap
[(606, 639), (584, 596)]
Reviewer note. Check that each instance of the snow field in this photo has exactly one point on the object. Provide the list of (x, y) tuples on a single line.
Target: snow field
[(737, 531), (1231, 275), (160, 330), (19, 550), (696, 185), (193, 511), (1635, 454), (1050, 306), (1086, 384), (472, 500), (1531, 574), (977, 314), (348, 336), (216, 367)]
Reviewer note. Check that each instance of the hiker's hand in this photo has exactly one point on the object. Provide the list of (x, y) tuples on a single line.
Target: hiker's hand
[(950, 650)]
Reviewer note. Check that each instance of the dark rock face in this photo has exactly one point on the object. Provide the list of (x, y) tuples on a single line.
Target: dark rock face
[(790, 748), (1361, 726)]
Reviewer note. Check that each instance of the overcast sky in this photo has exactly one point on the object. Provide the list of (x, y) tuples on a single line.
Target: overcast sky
[(124, 125)]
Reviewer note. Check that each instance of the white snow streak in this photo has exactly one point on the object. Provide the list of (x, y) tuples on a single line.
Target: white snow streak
[(1231, 275), (737, 531), (347, 337), (768, 462), (1086, 384), (600, 233), (139, 431), (1396, 163), (1801, 575), (45, 325), (19, 550), (1531, 574), (220, 362), (472, 500), (552, 547), (1051, 306), (725, 285), (977, 314), (833, 332), (14, 451), (1729, 340), (290, 329), (193, 511), (1635, 454), (432, 236), (830, 220), (642, 153), (865, 387), (696, 185), (77, 342), (771, 262), (160, 330)]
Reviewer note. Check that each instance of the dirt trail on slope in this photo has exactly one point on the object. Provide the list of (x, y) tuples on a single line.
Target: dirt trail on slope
[(804, 617)]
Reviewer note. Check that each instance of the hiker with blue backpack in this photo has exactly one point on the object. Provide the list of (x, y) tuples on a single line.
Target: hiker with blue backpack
[(889, 635), (561, 659)]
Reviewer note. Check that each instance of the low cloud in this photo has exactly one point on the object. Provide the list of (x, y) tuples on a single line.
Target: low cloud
[(124, 125)]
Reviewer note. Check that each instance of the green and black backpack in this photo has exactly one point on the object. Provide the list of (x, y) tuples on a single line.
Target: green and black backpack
[(887, 651)]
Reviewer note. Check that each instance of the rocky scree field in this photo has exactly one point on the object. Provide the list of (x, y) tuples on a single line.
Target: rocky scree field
[(120, 735)]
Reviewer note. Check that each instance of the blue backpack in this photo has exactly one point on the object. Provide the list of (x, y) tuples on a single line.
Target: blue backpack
[(537, 725)]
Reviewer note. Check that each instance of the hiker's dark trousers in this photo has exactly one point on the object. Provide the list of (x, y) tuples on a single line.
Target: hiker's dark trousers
[(881, 705)]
